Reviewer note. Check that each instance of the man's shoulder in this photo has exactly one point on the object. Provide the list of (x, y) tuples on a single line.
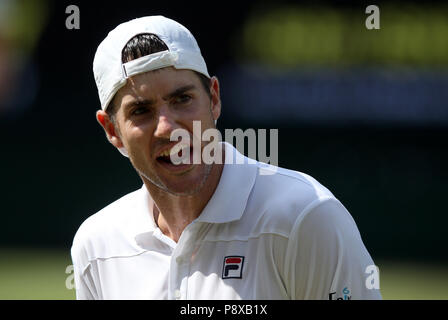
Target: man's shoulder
[(112, 213), (284, 187), (107, 225), (280, 196), (291, 180)]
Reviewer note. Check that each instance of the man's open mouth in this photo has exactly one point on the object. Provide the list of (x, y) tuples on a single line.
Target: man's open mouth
[(176, 156)]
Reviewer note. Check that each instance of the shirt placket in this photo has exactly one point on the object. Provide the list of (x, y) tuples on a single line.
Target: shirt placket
[(180, 263)]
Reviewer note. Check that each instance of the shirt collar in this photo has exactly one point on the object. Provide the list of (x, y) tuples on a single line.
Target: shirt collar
[(230, 198), (226, 204)]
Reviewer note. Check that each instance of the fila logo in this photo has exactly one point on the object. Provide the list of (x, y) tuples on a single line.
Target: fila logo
[(233, 267)]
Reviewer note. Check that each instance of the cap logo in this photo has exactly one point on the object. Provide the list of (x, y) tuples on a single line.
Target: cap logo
[(233, 267)]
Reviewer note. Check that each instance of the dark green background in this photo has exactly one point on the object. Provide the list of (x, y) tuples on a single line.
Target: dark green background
[(57, 167)]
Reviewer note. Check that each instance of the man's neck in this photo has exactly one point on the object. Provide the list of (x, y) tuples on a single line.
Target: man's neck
[(173, 213)]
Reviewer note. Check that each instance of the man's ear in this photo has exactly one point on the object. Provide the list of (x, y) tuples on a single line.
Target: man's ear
[(109, 127), (215, 97)]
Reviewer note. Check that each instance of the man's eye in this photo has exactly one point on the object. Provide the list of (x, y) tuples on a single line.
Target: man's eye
[(139, 110), (184, 98)]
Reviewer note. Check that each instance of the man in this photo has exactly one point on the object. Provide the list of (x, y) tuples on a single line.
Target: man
[(223, 230)]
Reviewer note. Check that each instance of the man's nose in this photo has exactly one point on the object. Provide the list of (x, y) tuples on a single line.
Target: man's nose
[(166, 123)]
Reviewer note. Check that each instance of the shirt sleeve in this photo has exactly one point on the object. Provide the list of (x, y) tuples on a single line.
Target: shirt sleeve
[(326, 257), (84, 280)]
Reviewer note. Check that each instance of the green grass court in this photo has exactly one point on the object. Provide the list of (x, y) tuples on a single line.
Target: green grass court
[(41, 274)]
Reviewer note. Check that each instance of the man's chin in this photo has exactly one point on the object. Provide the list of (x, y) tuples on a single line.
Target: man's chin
[(188, 183)]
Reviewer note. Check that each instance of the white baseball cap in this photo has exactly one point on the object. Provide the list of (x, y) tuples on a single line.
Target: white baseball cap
[(111, 74)]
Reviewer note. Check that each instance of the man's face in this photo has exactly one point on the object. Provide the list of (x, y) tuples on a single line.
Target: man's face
[(150, 107)]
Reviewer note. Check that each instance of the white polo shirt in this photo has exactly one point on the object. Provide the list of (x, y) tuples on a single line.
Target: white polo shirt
[(266, 233)]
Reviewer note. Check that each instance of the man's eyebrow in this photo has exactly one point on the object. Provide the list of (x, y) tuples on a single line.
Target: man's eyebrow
[(179, 91), (146, 102), (138, 102)]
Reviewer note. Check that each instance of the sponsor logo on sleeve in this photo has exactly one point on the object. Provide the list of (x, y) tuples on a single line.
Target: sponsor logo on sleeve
[(344, 295)]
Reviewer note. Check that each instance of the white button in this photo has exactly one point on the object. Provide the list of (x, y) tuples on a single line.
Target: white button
[(179, 259), (177, 294)]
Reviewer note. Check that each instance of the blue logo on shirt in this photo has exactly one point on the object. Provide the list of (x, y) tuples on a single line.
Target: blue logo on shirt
[(344, 296)]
